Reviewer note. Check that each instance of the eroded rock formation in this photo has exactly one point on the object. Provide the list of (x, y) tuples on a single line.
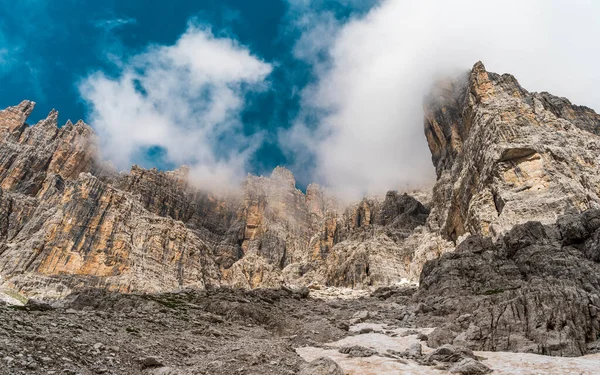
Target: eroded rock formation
[(536, 289), (68, 222), (505, 156), (518, 189)]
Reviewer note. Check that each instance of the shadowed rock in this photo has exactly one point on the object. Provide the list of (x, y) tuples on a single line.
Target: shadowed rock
[(536, 289)]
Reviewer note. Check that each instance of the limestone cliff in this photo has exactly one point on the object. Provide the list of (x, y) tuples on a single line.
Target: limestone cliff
[(518, 191), (298, 239), (66, 223), (505, 156)]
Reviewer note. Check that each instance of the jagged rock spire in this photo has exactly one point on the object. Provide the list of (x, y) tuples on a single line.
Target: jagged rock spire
[(13, 118)]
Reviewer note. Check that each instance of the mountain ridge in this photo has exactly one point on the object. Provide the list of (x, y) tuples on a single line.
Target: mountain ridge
[(503, 156), (150, 230), (503, 254)]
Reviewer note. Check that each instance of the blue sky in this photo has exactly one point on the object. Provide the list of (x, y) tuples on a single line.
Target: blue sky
[(51, 46), (331, 89)]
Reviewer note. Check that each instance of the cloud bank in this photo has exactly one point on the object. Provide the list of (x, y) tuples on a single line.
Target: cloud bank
[(367, 98), (360, 127), (183, 100)]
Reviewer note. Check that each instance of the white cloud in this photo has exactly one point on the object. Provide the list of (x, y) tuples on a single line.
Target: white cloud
[(185, 98), (318, 32), (380, 66)]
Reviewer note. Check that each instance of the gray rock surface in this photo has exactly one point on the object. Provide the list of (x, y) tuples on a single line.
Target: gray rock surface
[(506, 156), (210, 332), (357, 351), (536, 289), (68, 222), (469, 366), (321, 366)]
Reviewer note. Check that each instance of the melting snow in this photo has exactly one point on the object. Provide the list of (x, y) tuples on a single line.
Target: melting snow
[(381, 339)]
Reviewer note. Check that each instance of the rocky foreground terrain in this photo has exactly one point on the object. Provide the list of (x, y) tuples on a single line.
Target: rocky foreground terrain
[(143, 272), (263, 331)]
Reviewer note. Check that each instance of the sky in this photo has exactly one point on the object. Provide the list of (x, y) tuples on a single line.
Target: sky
[(330, 89)]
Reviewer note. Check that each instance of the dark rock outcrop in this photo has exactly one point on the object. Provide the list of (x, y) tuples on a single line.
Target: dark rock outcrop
[(536, 289)]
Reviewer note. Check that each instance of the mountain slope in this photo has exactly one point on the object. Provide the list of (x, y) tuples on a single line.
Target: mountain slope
[(68, 222), (518, 191)]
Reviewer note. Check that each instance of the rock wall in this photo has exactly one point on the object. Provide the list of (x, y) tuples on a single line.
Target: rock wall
[(68, 222), (518, 191), (503, 156), (506, 156), (536, 289)]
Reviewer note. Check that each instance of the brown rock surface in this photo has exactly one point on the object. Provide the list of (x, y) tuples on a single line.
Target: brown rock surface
[(505, 156), (67, 222)]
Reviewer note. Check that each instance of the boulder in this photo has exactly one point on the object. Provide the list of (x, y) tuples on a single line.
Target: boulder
[(321, 366)]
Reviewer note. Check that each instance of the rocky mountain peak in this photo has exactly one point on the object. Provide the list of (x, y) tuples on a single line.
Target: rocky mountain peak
[(52, 118), (284, 176), (504, 155), (13, 118)]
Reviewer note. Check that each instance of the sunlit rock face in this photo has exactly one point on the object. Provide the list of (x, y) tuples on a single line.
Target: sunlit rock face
[(517, 191), (63, 228), (505, 156), (68, 222)]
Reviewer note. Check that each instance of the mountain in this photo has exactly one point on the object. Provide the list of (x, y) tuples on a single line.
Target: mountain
[(518, 191), (505, 156), (68, 222), (506, 246)]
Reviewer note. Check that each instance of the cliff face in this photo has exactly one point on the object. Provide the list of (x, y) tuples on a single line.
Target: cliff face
[(63, 228), (295, 238), (67, 223), (536, 289), (518, 191), (505, 156)]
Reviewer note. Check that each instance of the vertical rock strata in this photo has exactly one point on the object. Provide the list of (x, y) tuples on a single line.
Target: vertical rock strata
[(62, 228), (506, 156), (518, 191), (67, 223)]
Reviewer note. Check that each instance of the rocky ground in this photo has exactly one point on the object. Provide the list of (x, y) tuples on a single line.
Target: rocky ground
[(225, 331), (220, 331)]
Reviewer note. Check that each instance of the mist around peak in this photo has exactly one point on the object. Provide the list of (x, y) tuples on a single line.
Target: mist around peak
[(359, 127)]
